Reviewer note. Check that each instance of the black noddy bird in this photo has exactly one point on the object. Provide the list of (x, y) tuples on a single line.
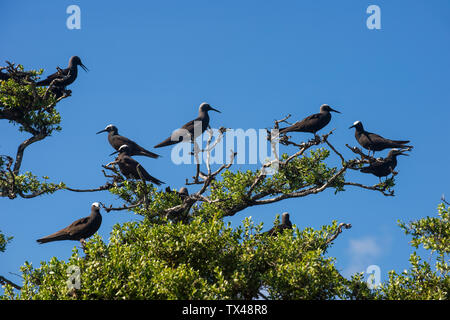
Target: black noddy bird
[(116, 141), (374, 142), (183, 193), (386, 166), (64, 77), (129, 167), (285, 224), (191, 130), (312, 123), (79, 230)]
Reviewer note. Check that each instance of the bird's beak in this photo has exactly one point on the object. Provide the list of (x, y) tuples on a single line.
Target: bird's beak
[(352, 126), (403, 154), (215, 110), (84, 67), (334, 110), (104, 130), (114, 152)]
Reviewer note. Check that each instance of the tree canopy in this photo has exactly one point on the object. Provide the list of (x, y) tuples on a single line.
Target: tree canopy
[(183, 249)]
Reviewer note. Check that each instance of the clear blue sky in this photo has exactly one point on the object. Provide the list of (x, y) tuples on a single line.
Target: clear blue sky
[(256, 62)]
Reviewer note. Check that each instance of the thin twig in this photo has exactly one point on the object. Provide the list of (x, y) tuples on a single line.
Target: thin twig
[(338, 232), (375, 188)]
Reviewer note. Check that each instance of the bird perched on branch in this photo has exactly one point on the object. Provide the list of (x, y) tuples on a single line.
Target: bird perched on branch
[(374, 142), (191, 130), (386, 166), (63, 77), (129, 167), (183, 193), (312, 123), (116, 141), (80, 229), (285, 224)]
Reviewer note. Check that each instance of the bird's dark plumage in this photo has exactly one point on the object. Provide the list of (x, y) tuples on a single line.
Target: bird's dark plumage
[(64, 77), (183, 193), (128, 166), (386, 166), (313, 123), (285, 224), (4, 76), (116, 141), (374, 142), (191, 130), (78, 230)]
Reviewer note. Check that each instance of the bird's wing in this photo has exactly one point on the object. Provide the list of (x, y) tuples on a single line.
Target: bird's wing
[(149, 177), (135, 147), (311, 117), (58, 74), (190, 125), (130, 161), (58, 235), (80, 221), (374, 166), (183, 133), (77, 226), (180, 134), (373, 137), (121, 140), (300, 124)]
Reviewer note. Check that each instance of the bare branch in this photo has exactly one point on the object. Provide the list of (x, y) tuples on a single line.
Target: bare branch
[(325, 139), (5, 281), (301, 193), (123, 207), (338, 232), (375, 188), (22, 147), (106, 186)]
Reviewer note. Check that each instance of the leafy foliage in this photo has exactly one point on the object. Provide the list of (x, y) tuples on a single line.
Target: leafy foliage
[(193, 261), (423, 281), (182, 248), (26, 105), (4, 241)]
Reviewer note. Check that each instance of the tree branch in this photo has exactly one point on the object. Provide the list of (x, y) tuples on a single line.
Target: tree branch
[(5, 281), (22, 147), (338, 232)]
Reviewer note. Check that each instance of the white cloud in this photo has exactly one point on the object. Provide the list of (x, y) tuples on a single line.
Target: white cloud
[(363, 252)]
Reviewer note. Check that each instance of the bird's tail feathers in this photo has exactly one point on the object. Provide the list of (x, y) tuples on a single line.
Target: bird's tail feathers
[(53, 237), (401, 142), (156, 181), (149, 154), (165, 143)]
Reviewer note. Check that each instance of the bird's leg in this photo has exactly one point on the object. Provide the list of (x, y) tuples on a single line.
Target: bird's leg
[(316, 136)]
